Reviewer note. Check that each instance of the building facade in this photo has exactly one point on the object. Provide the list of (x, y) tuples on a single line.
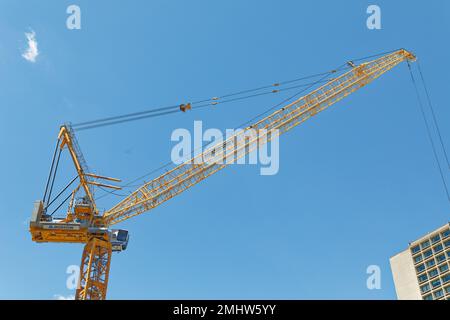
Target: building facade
[(421, 272)]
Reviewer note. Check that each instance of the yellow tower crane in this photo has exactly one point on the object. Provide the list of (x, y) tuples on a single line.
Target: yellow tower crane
[(83, 222)]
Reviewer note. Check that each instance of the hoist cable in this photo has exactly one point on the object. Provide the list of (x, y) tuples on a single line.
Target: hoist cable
[(51, 170), (376, 55), (54, 176), (176, 108), (258, 94), (113, 192), (277, 84), (433, 114), (340, 68), (123, 116), (289, 98), (61, 192), (126, 120), (60, 205), (157, 112), (129, 184), (430, 137)]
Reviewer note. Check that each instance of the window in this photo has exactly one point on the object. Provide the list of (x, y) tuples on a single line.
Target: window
[(433, 273), (448, 254), (438, 248), (446, 278), (425, 288), (435, 238), (447, 243), (420, 267), (447, 289), (440, 258), (435, 283), (443, 268), (122, 235), (418, 258), (428, 297), (415, 249), (423, 277), (445, 233), (430, 263), (427, 253), (425, 244), (439, 293)]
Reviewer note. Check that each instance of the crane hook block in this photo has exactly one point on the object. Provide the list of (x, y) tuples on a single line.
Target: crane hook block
[(184, 107)]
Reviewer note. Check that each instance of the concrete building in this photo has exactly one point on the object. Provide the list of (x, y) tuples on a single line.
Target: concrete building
[(421, 272)]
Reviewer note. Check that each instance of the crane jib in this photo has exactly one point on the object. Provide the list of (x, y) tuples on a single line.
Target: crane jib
[(161, 189)]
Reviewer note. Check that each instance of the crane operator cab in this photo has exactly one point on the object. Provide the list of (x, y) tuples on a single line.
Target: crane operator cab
[(119, 239)]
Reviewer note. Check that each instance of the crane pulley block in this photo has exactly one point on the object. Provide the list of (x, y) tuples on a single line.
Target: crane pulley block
[(185, 107)]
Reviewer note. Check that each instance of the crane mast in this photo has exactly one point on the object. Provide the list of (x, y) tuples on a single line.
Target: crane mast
[(84, 224)]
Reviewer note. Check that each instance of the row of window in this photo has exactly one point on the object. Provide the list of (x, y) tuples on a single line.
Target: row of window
[(437, 294), (434, 239), (435, 283), (433, 273), (428, 253), (432, 262), (418, 258)]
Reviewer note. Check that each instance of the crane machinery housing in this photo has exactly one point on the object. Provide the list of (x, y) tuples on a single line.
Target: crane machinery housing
[(84, 223)]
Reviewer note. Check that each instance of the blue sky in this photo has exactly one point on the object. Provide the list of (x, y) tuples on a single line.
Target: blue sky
[(356, 183)]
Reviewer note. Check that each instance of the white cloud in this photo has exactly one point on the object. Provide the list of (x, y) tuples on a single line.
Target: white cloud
[(61, 297), (32, 51)]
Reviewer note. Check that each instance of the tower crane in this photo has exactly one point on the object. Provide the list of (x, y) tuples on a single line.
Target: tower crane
[(84, 223)]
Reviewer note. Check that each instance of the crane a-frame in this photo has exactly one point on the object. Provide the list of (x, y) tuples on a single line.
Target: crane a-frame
[(85, 224)]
